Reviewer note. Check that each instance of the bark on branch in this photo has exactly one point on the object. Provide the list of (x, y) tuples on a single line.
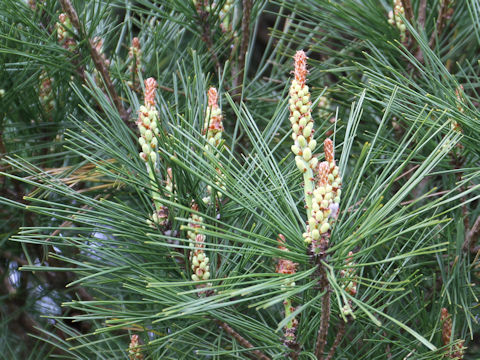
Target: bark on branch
[(98, 61), (257, 354)]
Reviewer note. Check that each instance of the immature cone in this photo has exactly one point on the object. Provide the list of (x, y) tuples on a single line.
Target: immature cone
[(199, 261), (134, 352), (98, 45), (395, 20)]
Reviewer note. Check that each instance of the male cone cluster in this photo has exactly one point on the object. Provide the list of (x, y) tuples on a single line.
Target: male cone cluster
[(302, 126), (64, 30), (135, 62), (45, 92), (322, 199), (148, 126), (457, 350), (325, 201), (198, 260), (395, 20), (134, 352), (223, 14), (213, 129), (147, 123)]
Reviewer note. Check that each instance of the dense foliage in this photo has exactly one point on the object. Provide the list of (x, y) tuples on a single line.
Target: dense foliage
[(179, 181)]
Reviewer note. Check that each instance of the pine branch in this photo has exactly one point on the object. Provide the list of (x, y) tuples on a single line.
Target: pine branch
[(242, 341), (240, 70), (340, 334), (407, 5), (443, 15), (422, 13), (472, 237), (98, 60), (324, 319), (207, 34)]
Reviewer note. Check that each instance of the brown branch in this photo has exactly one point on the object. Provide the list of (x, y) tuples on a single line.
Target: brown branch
[(443, 14), (407, 172), (472, 236), (422, 14), (407, 6), (206, 35), (242, 341), (324, 321), (238, 77), (338, 339), (98, 60)]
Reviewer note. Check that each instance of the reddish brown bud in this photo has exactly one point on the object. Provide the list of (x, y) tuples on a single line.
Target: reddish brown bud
[(328, 148), (212, 97), (136, 43), (300, 59), (150, 88)]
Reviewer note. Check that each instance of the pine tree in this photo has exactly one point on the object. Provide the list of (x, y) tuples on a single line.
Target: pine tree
[(239, 179)]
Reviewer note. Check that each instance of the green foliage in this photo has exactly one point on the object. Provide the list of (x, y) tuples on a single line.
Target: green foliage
[(82, 268)]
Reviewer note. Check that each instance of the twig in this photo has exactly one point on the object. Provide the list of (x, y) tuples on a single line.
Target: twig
[(324, 320), (206, 35), (98, 61), (238, 77), (422, 13), (472, 236), (242, 341), (407, 172), (338, 339), (407, 6), (443, 14)]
